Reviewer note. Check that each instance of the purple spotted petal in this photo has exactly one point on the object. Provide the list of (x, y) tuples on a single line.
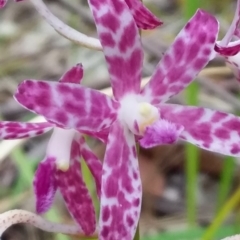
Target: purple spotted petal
[(75, 193), (208, 129), (44, 184), (74, 75), (233, 28), (121, 186), (142, 16), (190, 52), (67, 104), (93, 163), (120, 39), (159, 133), (17, 130)]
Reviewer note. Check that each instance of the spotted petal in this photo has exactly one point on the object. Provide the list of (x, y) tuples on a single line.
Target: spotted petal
[(68, 104), (73, 75), (208, 129), (17, 130), (120, 39), (142, 16), (93, 163), (75, 193), (121, 186), (189, 54), (44, 184)]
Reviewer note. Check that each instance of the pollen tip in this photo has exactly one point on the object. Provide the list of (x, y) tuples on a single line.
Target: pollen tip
[(63, 166)]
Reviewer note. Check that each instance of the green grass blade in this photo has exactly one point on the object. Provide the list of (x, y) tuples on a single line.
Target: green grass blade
[(225, 181), (221, 216), (26, 168), (192, 152)]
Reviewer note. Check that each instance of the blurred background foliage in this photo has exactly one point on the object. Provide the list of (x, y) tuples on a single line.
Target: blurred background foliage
[(188, 193)]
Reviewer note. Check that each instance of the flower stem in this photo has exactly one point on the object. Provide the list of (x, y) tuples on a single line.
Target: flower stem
[(226, 181), (65, 30), (192, 152), (137, 234), (227, 208)]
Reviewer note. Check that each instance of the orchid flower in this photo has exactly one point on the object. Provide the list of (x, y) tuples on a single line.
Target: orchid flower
[(143, 17), (134, 112), (231, 50), (61, 165)]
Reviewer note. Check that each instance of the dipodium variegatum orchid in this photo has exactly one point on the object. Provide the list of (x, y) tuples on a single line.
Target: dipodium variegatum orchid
[(61, 165), (135, 114)]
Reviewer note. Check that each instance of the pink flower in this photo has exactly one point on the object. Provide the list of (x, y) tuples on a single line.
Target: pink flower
[(61, 166), (134, 112), (231, 50)]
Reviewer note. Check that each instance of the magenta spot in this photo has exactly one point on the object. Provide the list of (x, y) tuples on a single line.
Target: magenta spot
[(134, 151), (135, 175), (233, 124), (64, 88), (202, 132), (199, 63), (206, 52), (130, 221), (43, 85), (128, 40), (167, 61), (136, 202), (61, 117), (39, 132), (111, 186), (105, 231), (192, 52), (222, 133), (43, 99), (178, 49), (110, 21), (212, 39), (218, 116), (118, 6), (188, 26), (105, 213), (202, 38), (107, 40), (235, 149)]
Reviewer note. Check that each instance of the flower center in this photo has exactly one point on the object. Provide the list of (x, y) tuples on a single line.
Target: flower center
[(59, 147), (137, 114)]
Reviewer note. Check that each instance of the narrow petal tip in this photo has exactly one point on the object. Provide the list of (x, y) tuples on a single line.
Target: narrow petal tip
[(159, 133), (143, 17), (73, 75), (45, 185)]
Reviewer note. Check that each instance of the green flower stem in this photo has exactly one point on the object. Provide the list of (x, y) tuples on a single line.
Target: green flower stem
[(137, 234), (223, 213), (226, 181), (192, 152)]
